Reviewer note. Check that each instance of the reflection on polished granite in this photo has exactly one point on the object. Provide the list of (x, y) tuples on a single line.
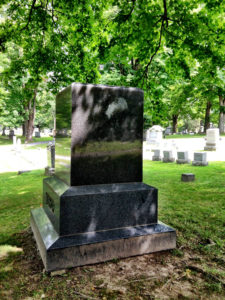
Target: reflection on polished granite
[(106, 141), (63, 135)]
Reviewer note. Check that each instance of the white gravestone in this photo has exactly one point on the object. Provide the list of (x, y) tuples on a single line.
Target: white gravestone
[(18, 145), (212, 139), (182, 157), (168, 156), (200, 159), (156, 156), (154, 135), (14, 141)]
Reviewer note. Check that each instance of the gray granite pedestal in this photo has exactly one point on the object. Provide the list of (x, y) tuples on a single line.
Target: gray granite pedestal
[(86, 225)]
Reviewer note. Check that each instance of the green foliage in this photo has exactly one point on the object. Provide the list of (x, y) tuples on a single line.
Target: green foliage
[(174, 50)]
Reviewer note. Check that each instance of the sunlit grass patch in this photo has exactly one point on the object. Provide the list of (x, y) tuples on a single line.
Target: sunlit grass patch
[(5, 250)]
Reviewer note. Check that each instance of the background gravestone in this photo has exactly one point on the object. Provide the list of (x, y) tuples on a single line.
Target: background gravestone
[(200, 159), (155, 135), (96, 207), (156, 155), (212, 139), (168, 156), (182, 157)]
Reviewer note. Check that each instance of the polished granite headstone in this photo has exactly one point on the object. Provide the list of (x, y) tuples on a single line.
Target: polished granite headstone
[(96, 207)]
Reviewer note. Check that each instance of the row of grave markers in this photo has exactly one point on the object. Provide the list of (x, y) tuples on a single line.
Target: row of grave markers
[(200, 158)]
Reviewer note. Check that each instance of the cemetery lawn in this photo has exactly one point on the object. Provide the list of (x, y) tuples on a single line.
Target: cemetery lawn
[(5, 140), (195, 270), (188, 136)]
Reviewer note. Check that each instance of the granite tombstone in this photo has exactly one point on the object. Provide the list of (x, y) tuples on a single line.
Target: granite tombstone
[(96, 207), (200, 159), (183, 157), (156, 155), (168, 156)]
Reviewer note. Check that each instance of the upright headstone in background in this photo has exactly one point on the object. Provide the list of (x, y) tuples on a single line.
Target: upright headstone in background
[(18, 145), (37, 134), (212, 139), (14, 141), (155, 135), (182, 157), (200, 159), (96, 207), (168, 156), (50, 169), (156, 156)]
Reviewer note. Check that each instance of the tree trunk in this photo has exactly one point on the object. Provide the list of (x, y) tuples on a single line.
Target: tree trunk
[(3, 131), (24, 129), (31, 117), (222, 114), (207, 116), (175, 119)]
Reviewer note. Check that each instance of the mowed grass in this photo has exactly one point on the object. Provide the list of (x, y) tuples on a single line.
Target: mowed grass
[(195, 209), (5, 140), (188, 136), (18, 195)]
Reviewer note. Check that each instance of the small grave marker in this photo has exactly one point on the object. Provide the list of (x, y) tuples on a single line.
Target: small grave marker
[(182, 157), (156, 156), (187, 177), (168, 156), (200, 159)]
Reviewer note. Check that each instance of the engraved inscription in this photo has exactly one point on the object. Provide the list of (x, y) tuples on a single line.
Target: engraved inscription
[(50, 202)]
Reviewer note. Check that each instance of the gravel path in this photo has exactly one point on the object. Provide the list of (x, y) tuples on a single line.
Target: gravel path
[(13, 160)]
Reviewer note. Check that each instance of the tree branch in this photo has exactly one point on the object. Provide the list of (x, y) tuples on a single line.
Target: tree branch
[(132, 9), (164, 18), (156, 50), (165, 13), (29, 17)]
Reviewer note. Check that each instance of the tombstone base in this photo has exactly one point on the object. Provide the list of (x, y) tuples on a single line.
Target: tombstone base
[(61, 252), (156, 158), (199, 163), (210, 147), (167, 160), (183, 161)]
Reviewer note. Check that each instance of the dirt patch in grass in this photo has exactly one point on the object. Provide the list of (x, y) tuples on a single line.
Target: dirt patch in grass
[(167, 275)]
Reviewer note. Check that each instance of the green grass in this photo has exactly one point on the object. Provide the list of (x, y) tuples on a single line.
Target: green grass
[(19, 194), (188, 136), (5, 140), (185, 136), (196, 209)]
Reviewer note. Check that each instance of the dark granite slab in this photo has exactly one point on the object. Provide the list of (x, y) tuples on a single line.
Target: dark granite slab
[(99, 134), (52, 240), (107, 207), (77, 250), (98, 207)]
